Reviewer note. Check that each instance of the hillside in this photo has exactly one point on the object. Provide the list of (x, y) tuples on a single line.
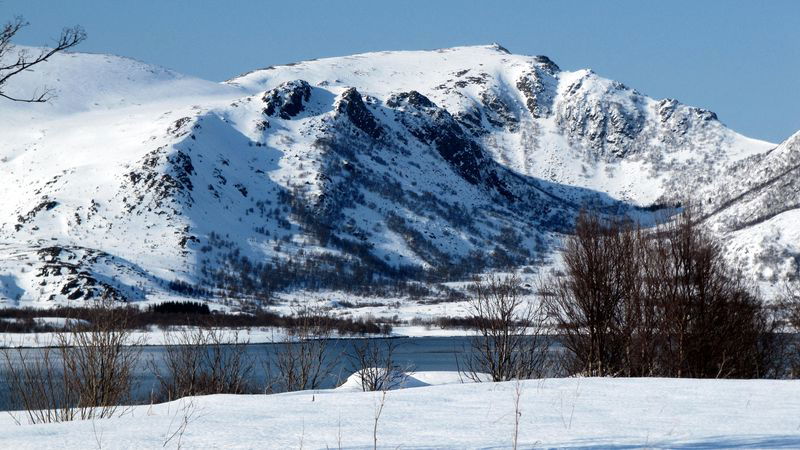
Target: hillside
[(357, 173), (754, 207)]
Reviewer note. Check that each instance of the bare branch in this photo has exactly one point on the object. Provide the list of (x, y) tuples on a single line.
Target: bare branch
[(46, 95), (70, 37)]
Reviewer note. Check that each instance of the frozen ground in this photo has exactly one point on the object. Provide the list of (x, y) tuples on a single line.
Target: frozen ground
[(256, 335), (575, 412), (153, 336)]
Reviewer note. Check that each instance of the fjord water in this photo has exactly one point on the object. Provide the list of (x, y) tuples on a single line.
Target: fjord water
[(410, 354)]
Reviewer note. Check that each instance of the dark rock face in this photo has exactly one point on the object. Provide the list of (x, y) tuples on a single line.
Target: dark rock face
[(678, 118), (547, 64), (84, 286), (180, 127), (412, 98), (351, 105), (69, 270), (182, 168), (603, 122), (501, 49), (539, 87), (286, 100), (45, 205), (498, 111), (149, 180), (620, 123), (433, 125), (705, 114), (666, 111), (472, 120)]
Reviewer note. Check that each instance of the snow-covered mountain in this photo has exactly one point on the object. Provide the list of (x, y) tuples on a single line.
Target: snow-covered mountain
[(372, 169)]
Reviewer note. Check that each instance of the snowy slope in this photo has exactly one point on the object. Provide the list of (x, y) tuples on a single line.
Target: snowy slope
[(106, 115), (755, 206), (553, 413), (336, 173)]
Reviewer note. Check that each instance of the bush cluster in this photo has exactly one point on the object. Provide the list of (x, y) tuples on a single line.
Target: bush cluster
[(657, 302)]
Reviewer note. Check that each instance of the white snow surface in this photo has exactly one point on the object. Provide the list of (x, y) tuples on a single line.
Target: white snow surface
[(400, 380), (553, 413), (135, 176)]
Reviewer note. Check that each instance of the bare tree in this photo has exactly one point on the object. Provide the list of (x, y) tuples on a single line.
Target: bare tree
[(373, 360), (203, 360), (789, 311), (100, 359), (13, 63), (36, 385), (597, 305), (302, 361), (87, 374), (510, 343), (661, 302), (715, 323)]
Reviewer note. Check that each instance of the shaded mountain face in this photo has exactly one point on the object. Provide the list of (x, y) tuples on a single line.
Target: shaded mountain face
[(368, 170)]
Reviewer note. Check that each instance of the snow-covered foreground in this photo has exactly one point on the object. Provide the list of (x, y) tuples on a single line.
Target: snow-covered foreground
[(575, 412)]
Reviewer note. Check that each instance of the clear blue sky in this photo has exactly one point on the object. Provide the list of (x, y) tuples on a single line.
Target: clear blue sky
[(740, 59)]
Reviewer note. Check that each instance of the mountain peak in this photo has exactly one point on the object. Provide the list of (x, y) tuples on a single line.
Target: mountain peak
[(500, 48)]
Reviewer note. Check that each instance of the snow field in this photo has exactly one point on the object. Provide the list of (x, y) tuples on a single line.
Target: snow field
[(554, 413)]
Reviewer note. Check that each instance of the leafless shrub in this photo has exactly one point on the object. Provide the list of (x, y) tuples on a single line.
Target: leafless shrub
[(302, 361), (510, 343), (377, 417), (374, 363), (659, 302), (36, 384), (789, 310), (100, 359), (88, 374), (596, 305), (517, 412), (202, 361), (185, 414), (715, 324)]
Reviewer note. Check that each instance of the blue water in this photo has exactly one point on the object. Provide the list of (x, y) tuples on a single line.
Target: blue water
[(419, 354)]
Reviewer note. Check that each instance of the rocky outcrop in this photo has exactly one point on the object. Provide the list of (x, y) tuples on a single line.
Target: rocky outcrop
[(351, 105), (435, 126), (539, 87), (604, 116), (286, 101)]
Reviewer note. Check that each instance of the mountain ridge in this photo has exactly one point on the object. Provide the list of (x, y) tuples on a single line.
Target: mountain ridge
[(383, 168)]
